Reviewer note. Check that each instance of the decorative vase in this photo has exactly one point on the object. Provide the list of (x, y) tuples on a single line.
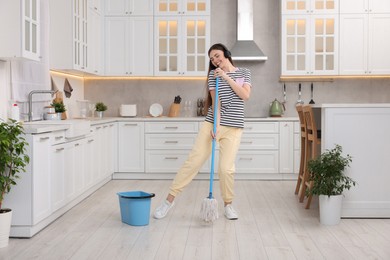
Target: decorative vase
[(99, 114), (330, 209), (5, 226)]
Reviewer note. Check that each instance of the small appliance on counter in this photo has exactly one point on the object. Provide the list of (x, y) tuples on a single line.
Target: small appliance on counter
[(128, 110), (275, 108)]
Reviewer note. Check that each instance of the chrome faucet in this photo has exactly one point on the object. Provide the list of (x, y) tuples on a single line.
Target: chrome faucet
[(30, 113)]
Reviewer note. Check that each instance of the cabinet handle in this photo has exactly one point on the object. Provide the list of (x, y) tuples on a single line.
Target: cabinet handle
[(44, 138), (131, 124), (246, 158), (111, 125), (58, 137), (59, 149), (76, 144), (171, 127), (98, 127), (171, 158), (247, 142), (171, 142), (90, 141), (105, 126), (248, 128)]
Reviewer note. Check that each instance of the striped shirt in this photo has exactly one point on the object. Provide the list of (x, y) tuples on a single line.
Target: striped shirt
[(232, 106)]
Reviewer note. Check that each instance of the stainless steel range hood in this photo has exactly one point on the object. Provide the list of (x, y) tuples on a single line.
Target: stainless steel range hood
[(245, 48)]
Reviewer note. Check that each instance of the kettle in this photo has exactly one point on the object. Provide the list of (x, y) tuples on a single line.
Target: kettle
[(276, 108)]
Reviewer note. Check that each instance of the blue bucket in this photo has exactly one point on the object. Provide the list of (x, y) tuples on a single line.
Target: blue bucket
[(135, 207)]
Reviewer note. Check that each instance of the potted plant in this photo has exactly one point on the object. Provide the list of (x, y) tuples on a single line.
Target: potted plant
[(13, 160), (100, 107), (329, 183), (59, 108)]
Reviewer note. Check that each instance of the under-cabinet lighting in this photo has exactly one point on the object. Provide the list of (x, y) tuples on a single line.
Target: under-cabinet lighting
[(143, 78), (64, 74), (329, 78)]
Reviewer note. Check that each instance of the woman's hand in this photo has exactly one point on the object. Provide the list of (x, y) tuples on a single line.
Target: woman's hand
[(214, 135)]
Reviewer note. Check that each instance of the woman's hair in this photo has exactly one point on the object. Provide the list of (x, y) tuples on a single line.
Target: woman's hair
[(226, 54)]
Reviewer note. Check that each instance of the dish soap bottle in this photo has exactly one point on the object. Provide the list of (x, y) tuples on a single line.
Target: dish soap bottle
[(15, 112)]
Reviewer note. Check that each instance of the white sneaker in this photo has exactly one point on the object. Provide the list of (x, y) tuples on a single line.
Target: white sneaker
[(230, 213), (163, 209)]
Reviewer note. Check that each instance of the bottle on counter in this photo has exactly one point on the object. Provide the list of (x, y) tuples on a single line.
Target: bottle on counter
[(15, 112)]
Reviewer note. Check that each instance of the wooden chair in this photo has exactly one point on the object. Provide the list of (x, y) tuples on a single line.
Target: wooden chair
[(313, 140), (302, 163)]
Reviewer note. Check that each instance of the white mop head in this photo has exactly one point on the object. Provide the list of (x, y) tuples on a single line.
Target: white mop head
[(209, 210)]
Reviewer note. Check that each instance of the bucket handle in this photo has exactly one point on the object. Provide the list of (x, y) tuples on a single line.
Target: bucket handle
[(151, 195)]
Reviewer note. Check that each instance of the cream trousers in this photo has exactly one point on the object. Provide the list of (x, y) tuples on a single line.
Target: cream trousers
[(228, 139)]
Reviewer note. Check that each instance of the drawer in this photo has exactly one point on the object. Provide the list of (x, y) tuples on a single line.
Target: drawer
[(161, 161), (171, 127), (261, 127), (58, 137), (259, 141), (257, 162), (169, 141)]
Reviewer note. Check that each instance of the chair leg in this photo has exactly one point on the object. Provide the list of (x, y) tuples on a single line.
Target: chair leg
[(308, 202), (301, 167)]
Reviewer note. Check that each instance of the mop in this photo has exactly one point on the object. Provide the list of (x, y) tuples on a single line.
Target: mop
[(209, 209)]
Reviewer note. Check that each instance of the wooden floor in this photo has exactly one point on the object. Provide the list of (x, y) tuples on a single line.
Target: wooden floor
[(271, 225)]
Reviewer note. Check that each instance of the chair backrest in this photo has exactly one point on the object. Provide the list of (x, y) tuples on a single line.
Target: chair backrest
[(311, 127), (302, 121)]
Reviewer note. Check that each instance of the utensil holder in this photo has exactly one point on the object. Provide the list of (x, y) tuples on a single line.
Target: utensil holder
[(174, 110)]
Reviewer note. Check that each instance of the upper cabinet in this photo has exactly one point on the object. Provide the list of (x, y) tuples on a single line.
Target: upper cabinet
[(364, 37), (181, 38), (309, 37), (70, 38), (128, 7), (129, 38), (180, 7), (20, 29)]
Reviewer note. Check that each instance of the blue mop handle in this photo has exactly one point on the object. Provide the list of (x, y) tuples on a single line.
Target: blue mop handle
[(216, 101)]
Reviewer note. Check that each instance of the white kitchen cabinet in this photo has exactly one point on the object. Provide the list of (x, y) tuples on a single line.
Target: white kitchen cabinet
[(167, 145), (20, 29), (131, 147), (297, 147), (57, 176), (364, 41), (128, 7), (129, 46), (181, 45), (90, 162), (310, 6), (179, 7), (286, 148), (259, 149), (364, 6), (310, 37), (95, 29), (105, 139), (79, 165), (310, 44), (70, 39)]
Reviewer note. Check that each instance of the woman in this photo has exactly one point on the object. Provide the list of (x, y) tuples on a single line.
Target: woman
[(234, 88)]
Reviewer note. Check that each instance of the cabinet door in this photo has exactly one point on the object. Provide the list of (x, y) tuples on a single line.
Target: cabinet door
[(115, 47), (286, 148), (90, 162), (324, 45), (141, 7), (167, 46), (41, 177), (378, 43), (140, 44), (80, 49), (131, 147), (295, 45), (353, 44), (69, 178), (79, 165), (57, 177), (353, 6), (196, 7), (116, 7), (196, 42), (95, 28), (378, 6), (31, 29)]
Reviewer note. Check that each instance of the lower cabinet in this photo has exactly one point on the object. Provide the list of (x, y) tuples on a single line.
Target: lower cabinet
[(131, 147)]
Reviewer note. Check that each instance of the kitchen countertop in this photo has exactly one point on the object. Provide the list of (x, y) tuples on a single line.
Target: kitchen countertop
[(39, 127)]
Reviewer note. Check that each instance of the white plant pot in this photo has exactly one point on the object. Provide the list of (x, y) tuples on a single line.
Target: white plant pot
[(5, 228), (100, 114), (330, 209)]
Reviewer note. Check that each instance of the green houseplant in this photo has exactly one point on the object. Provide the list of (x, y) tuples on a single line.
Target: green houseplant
[(59, 107), (329, 182), (13, 160), (100, 107)]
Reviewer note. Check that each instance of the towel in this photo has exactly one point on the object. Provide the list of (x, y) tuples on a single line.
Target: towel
[(67, 88)]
